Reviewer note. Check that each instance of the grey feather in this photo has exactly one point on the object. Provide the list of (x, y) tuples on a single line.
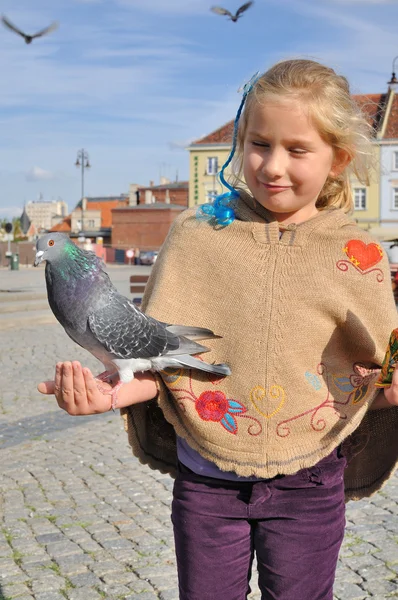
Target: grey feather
[(106, 323)]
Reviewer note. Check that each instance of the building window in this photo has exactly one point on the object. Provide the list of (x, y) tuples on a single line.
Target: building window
[(395, 161), (210, 195), (359, 198), (212, 165), (91, 224), (395, 198)]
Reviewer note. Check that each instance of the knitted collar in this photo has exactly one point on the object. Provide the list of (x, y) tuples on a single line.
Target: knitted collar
[(248, 209)]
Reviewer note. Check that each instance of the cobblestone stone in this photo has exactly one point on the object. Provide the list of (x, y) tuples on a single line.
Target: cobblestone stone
[(82, 519)]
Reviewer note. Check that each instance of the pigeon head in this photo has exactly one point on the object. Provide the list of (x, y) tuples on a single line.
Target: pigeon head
[(54, 246)]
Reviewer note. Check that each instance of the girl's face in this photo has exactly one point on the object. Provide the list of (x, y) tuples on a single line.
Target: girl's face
[(285, 160)]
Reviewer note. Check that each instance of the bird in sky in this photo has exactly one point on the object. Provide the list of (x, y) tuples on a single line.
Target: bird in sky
[(107, 324), (223, 11), (29, 38)]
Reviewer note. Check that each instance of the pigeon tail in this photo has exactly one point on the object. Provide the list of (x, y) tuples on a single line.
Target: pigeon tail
[(189, 362), (192, 333)]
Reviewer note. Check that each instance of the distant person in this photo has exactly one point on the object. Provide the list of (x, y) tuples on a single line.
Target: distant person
[(137, 254), (301, 299)]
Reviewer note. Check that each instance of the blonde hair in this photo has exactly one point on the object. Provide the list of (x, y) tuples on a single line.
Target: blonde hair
[(332, 110)]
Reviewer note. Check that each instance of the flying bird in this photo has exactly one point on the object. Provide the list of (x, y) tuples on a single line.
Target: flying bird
[(107, 324), (223, 11), (28, 38)]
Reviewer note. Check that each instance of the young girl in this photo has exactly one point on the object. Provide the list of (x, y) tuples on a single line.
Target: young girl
[(301, 299)]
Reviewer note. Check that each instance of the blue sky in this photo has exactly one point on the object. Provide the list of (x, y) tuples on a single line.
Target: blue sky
[(135, 81)]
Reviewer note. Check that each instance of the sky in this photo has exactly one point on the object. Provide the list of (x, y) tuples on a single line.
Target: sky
[(134, 82)]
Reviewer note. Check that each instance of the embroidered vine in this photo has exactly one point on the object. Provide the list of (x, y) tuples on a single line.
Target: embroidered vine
[(355, 386)]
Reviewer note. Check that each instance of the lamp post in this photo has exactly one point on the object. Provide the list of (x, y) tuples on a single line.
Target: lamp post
[(83, 162), (394, 81)]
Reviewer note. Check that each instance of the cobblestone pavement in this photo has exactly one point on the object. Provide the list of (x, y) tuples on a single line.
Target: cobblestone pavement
[(81, 519)]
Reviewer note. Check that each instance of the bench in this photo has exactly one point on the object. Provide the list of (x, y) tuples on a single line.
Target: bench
[(137, 286)]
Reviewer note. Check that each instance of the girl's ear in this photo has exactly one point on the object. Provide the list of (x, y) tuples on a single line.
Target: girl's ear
[(341, 160)]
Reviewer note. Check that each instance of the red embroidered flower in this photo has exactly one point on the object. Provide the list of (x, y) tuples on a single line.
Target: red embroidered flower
[(215, 406), (212, 405)]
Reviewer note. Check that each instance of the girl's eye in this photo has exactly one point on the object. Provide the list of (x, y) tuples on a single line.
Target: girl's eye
[(261, 144), (298, 151)]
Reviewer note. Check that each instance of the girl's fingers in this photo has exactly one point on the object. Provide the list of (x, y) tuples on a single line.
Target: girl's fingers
[(80, 394), (94, 396), (46, 387), (66, 391)]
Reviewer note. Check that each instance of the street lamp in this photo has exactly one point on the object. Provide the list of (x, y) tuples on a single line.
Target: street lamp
[(83, 162), (394, 81)]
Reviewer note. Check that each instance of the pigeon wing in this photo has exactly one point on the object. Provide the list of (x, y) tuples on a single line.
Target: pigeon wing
[(243, 8), (46, 30), (8, 24), (127, 333), (220, 11)]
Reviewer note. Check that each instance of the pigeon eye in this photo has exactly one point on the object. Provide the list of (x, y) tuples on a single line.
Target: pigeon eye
[(51, 242)]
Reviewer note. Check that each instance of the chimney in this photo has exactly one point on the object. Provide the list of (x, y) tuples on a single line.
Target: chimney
[(148, 197), (164, 180), (167, 198), (151, 183), (133, 195)]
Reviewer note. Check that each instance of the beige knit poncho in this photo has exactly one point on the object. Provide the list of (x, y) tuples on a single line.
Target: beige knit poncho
[(304, 320)]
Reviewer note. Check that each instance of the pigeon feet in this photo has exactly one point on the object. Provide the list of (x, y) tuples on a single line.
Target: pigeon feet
[(105, 376)]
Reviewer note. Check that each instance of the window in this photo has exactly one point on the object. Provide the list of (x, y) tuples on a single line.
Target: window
[(91, 223), (359, 198), (395, 198), (212, 165), (210, 195), (395, 161)]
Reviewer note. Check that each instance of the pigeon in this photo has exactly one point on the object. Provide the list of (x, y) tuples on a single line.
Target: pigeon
[(107, 324), (223, 11), (29, 38)]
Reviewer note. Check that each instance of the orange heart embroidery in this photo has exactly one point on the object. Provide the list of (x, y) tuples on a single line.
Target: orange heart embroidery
[(363, 256)]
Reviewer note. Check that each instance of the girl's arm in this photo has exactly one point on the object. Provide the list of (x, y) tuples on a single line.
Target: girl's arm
[(77, 392)]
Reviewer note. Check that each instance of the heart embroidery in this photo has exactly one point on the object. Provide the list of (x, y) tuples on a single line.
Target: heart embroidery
[(363, 256)]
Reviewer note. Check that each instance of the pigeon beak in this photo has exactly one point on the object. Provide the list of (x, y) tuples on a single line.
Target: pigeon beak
[(39, 258)]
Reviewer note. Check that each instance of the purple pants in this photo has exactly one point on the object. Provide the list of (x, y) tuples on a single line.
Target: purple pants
[(294, 524)]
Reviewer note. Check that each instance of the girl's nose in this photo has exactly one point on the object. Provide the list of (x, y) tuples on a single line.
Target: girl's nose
[(274, 164)]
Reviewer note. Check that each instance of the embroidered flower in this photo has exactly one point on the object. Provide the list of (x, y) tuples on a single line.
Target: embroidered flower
[(356, 384), (215, 406)]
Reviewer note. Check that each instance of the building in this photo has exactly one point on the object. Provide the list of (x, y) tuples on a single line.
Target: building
[(139, 219), (167, 192), (206, 157), (144, 226), (388, 141), (44, 215)]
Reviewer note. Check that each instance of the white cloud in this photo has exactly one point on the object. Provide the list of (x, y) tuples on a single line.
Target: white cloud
[(8, 212), (39, 174)]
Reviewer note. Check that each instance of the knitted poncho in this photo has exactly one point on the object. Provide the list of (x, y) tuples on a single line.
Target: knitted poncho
[(304, 318)]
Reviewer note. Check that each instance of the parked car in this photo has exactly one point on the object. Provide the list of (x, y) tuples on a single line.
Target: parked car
[(149, 257)]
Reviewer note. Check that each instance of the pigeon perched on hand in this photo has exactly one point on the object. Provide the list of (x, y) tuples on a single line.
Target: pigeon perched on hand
[(107, 324), (28, 38), (223, 11)]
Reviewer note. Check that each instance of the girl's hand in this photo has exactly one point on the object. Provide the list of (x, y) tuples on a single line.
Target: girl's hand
[(391, 393), (76, 390)]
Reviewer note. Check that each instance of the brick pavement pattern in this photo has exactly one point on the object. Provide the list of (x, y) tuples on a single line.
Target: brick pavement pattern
[(81, 519)]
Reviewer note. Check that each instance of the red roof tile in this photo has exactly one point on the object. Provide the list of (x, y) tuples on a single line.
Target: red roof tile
[(222, 135), (391, 130), (65, 225), (105, 207)]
